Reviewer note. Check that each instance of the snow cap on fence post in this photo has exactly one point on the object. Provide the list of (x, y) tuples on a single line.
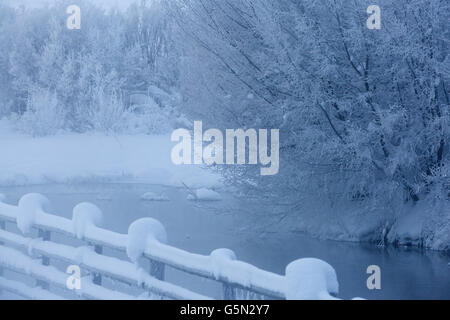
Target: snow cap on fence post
[(310, 279), (219, 257), (140, 232), (30, 205), (85, 215)]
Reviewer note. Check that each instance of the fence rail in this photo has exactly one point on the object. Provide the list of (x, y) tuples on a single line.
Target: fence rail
[(145, 241)]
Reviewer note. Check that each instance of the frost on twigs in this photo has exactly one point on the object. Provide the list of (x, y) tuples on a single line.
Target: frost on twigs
[(140, 233), (310, 279), (85, 215), (30, 206), (219, 258)]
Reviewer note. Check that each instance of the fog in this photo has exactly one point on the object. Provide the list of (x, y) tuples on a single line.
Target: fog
[(121, 4)]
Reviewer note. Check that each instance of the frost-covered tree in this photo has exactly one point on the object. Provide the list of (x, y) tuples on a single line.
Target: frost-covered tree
[(363, 113), (7, 17), (114, 55)]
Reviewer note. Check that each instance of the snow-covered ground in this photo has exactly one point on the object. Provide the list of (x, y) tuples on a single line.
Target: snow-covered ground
[(96, 157), (26, 160)]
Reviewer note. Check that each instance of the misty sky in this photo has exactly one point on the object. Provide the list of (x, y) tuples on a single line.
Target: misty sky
[(122, 4)]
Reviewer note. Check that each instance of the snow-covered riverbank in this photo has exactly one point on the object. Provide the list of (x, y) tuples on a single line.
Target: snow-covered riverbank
[(94, 157)]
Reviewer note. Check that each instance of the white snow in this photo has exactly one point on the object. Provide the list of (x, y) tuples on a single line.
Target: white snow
[(218, 257), (30, 206), (219, 266), (17, 261), (94, 157), (151, 196), (204, 194), (25, 291), (418, 225), (88, 260), (310, 279), (140, 232), (305, 278), (85, 215)]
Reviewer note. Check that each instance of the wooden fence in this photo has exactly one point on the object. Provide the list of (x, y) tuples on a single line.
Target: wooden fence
[(34, 244)]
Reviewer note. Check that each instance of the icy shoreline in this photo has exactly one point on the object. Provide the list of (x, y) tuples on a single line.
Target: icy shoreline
[(425, 225), (95, 157)]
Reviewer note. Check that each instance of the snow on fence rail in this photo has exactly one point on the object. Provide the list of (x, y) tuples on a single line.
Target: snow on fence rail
[(146, 240)]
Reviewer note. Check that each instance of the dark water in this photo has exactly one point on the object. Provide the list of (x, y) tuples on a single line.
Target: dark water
[(203, 227)]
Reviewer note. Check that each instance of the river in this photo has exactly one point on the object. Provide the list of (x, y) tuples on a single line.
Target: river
[(406, 273)]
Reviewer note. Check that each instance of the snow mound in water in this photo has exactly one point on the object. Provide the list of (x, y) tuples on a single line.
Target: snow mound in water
[(140, 233), (85, 215), (151, 196), (204, 194), (30, 206), (310, 279)]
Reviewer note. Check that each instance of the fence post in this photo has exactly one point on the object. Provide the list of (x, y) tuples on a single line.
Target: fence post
[(222, 257), (310, 279), (97, 277), (140, 233), (86, 215), (45, 236)]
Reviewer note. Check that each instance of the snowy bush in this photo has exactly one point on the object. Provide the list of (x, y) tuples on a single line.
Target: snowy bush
[(5, 109), (44, 114), (87, 73), (147, 119), (107, 112)]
